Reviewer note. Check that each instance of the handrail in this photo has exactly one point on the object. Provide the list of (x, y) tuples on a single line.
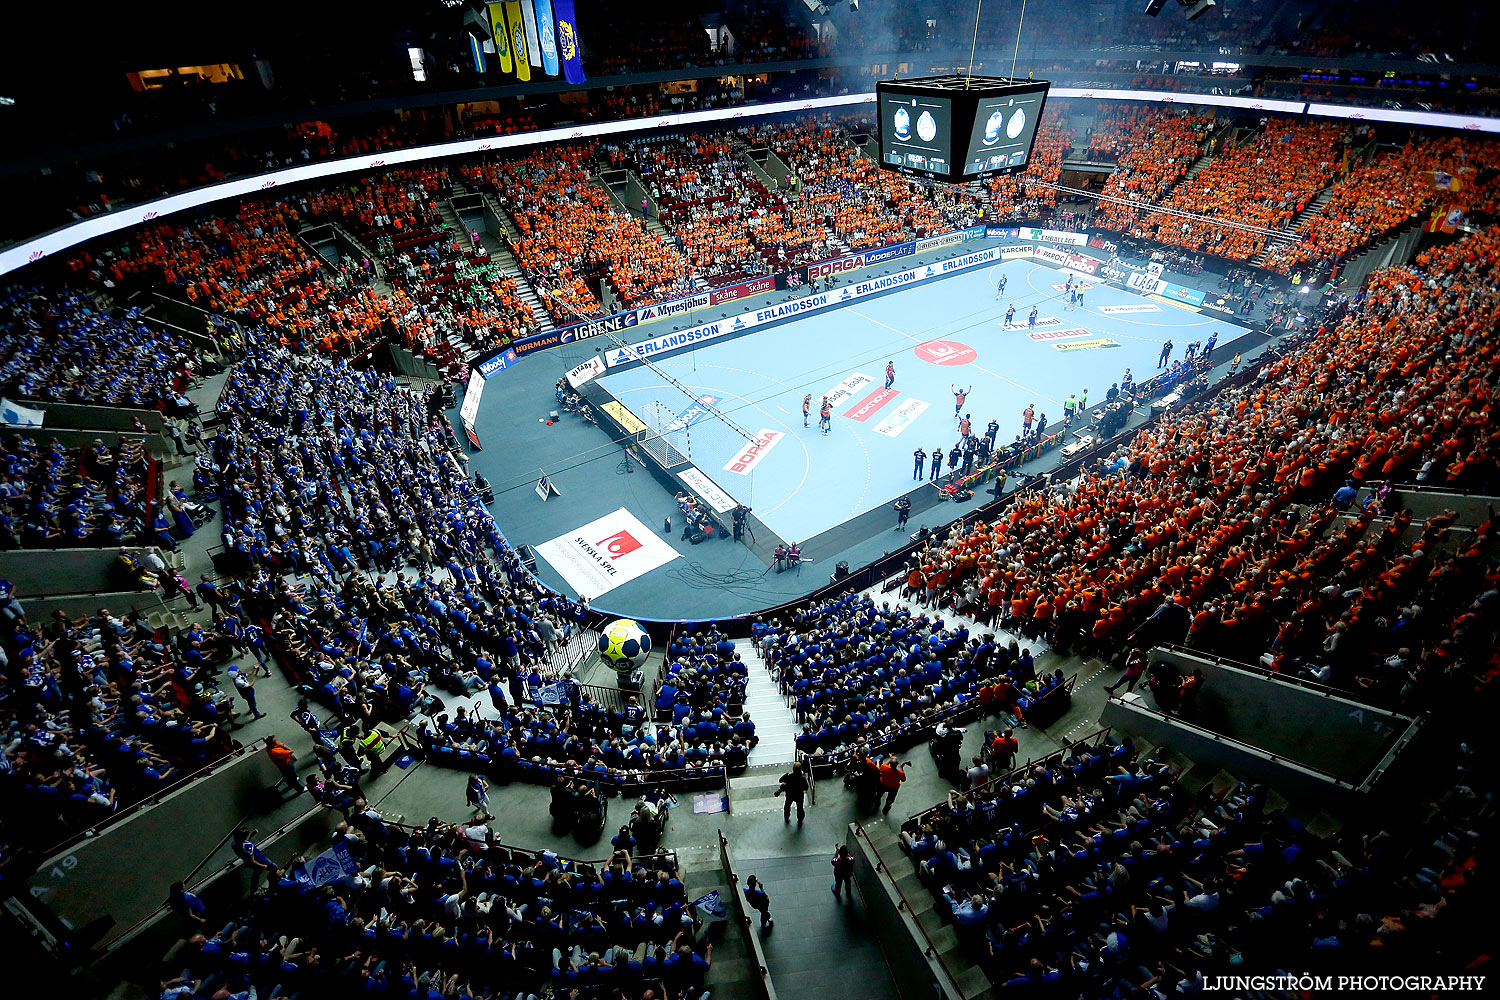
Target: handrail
[(614, 778), (1092, 740), (153, 798), (536, 853), (1139, 705), (950, 988), (767, 990), (1255, 668)]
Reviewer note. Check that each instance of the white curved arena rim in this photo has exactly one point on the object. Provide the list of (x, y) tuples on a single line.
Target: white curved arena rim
[(102, 225)]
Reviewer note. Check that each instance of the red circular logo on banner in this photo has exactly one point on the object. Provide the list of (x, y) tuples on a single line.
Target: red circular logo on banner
[(946, 352)]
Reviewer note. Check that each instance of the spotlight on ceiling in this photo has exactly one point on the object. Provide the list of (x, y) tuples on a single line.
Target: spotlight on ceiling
[(1153, 7), (1197, 9)]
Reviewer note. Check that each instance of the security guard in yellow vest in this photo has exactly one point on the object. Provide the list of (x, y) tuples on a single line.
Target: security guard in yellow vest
[(372, 745), (349, 744)]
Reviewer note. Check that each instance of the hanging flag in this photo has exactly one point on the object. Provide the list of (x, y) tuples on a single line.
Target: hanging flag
[(567, 42), (17, 415), (476, 51), (546, 30), (515, 26), (533, 43), (501, 34)]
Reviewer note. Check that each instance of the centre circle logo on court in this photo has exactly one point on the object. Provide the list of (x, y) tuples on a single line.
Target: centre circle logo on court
[(946, 352)]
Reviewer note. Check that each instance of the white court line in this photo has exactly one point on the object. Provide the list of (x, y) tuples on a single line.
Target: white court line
[(792, 432), (1018, 385), (1132, 322)]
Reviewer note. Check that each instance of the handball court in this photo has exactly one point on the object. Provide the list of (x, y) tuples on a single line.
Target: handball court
[(832, 492), (942, 336)]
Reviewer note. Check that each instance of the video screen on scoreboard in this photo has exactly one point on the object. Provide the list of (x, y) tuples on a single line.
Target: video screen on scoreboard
[(916, 131), (1004, 129)]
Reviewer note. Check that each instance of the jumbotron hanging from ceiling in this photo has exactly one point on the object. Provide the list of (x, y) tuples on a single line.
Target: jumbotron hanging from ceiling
[(958, 127)]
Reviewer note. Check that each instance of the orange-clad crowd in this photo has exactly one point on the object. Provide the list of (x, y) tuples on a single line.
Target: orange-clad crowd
[(868, 206), (726, 220), (1393, 187), (1262, 182), (571, 230), (1154, 150), (585, 252), (1225, 507), (1015, 196)]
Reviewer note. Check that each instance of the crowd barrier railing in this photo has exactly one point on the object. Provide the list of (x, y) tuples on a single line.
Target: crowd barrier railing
[(1047, 760), (154, 797), (760, 972), (929, 947)]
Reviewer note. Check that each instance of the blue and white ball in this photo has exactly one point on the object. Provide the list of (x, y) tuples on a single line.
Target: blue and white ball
[(624, 643)]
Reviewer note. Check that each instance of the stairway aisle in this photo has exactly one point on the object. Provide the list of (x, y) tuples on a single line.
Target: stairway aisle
[(498, 245), (1299, 224), (817, 938), (774, 722)]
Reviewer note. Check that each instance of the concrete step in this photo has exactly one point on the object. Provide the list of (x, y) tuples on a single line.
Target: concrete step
[(755, 807), (754, 800), (972, 981), (1197, 777), (945, 940), (756, 778), (929, 920), (915, 891), (881, 833), (899, 866)]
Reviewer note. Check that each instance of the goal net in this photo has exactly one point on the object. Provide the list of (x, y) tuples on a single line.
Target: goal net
[(665, 438)]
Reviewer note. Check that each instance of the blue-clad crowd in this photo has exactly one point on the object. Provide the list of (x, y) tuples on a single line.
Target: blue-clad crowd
[(446, 913), (864, 675), (59, 345), (1095, 873)]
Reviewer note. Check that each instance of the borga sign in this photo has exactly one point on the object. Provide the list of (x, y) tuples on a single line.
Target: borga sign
[(750, 455)]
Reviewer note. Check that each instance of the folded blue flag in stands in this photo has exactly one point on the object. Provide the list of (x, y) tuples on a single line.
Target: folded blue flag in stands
[(333, 865)]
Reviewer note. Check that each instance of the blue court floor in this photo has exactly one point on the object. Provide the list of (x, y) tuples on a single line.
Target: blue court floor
[(942, 336)]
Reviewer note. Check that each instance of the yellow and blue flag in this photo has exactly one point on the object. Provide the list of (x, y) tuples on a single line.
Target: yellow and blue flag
[(568, 48), (515, 25), (501, 35)]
